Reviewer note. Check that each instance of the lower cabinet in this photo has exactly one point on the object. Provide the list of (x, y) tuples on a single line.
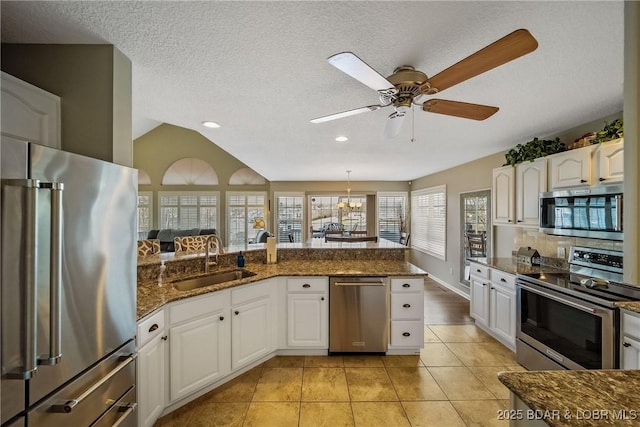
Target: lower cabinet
[(493, 302), (199, 344), (407, 315), (630, 341), (151, 369), (308, 312), (250, 332)]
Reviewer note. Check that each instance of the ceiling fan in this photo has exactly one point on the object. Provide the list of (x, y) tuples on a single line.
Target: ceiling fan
[(408, 86)]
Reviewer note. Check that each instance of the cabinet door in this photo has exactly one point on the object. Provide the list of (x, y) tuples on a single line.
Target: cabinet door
[(198, 353), (531, 180), (570, 168), (151, 381), (630, 353), (29, 113), (502, 317), (307, 323), (251, 325), (479, 306), (610, 157), (503, 194)]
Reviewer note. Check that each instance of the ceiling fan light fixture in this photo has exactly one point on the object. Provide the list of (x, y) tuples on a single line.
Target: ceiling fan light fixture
[(212, 125)]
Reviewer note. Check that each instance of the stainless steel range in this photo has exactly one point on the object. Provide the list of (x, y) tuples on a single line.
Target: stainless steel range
[(569, 320)]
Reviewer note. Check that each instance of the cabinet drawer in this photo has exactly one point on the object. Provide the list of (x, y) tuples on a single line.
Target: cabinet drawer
[(406, 284), (307, 284), (198, 306), (479, 270), (406, 306), (505, 279), (631, 325), (407, 333), (246, 293), (150, 327)]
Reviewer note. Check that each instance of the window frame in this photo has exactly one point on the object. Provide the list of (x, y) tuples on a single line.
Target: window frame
[(229, 206), (429, 220), (383, 194), (277, 196), (149, 207), (197, 194)]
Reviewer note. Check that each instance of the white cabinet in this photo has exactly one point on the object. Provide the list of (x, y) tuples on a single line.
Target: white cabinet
[(29, 113), (630, 342), (151, 368), (609, 161), (570, 168), (531, 180), (479, 288), (308, 312), (199, 343), (503, 205), (252, 323), (502, 307), (407, 315), (493, 302)]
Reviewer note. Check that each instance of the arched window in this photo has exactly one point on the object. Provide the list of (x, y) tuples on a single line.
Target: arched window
[(246, 176), (190, 171)]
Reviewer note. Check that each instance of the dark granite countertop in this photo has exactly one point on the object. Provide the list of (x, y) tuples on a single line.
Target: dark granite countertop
[(154, 294), (509, 265), (630, 305), (579, 398)]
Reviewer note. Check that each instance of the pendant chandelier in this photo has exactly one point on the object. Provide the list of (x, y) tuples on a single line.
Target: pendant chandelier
[(349, 205)]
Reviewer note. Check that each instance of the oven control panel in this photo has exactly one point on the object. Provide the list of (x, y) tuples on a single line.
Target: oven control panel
[(596, 258)]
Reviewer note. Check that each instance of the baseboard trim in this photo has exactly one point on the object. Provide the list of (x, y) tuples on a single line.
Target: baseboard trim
[(449, 286)]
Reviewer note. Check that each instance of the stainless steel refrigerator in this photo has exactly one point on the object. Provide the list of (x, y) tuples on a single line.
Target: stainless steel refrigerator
[(68, 295)]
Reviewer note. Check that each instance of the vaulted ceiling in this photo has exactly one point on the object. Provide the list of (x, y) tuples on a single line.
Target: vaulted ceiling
[(259, 69)]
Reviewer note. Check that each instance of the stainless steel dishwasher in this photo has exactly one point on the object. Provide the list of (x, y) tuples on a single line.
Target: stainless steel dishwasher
[(358, 314)]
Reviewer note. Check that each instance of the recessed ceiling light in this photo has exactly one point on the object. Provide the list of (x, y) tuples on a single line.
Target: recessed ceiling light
[(213, 125), (341, 138)]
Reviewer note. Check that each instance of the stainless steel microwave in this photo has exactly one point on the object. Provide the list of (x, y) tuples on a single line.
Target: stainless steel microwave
[(594, 212)]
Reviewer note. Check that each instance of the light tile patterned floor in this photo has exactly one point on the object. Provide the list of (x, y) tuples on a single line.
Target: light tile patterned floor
[(452, 383)]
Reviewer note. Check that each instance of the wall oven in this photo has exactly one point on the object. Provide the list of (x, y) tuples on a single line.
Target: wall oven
[(569, 320), (594, 212)]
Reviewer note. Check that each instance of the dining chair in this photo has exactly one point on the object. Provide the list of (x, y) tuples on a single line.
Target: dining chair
[(404, 238), (477, 244), (358, 233)]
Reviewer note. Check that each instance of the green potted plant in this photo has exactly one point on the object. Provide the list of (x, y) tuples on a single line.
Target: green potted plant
[(532, 150), (610, 131)]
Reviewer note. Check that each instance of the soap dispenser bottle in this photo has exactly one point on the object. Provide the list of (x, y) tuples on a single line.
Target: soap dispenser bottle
[(240, 260)]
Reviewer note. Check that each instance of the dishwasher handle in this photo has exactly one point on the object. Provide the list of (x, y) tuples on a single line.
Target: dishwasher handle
[(367, 283)]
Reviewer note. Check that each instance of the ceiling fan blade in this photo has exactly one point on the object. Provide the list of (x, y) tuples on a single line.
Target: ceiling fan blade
[(346, 114), (508, 48), (349, 63), (459, 109), (394, 124)]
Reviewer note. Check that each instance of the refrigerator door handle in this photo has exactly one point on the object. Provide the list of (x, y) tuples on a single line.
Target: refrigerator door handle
[(55, 275), (30, 259)]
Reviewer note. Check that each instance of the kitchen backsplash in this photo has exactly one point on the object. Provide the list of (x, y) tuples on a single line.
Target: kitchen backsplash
[(547, 245)]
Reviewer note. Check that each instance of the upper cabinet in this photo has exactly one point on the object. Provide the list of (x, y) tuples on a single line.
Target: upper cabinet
[(531, 180), (29, 113), (571, 168), (609, 161), (503, 206)]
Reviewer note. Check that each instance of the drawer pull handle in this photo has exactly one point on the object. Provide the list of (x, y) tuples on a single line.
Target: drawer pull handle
[(221, 318), (406, 305), (583, 181), (478, 270), (602, 179), (68, 406), (322, 299), (406, 285), (306, 285), (406, 334), (164, 338), (153, 327), (502, 280), (236, 312), (626, 344)]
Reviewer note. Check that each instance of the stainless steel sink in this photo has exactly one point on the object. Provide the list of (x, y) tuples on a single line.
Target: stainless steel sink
[(212, 279)]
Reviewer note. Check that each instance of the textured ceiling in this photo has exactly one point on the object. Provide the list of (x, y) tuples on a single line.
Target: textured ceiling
[(260, 70)]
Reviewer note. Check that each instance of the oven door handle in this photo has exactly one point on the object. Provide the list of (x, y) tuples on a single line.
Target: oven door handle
[(558, 299)]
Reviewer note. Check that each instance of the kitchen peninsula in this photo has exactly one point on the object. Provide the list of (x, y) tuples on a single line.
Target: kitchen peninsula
[(192, 341)]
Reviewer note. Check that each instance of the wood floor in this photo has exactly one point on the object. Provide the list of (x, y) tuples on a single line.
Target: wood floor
[(444, 307)]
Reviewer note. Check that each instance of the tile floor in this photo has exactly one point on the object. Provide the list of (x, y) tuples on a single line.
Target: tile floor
[(452, 383)]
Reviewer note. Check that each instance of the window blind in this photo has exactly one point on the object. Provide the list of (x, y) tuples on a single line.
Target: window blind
[(429, 221)]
